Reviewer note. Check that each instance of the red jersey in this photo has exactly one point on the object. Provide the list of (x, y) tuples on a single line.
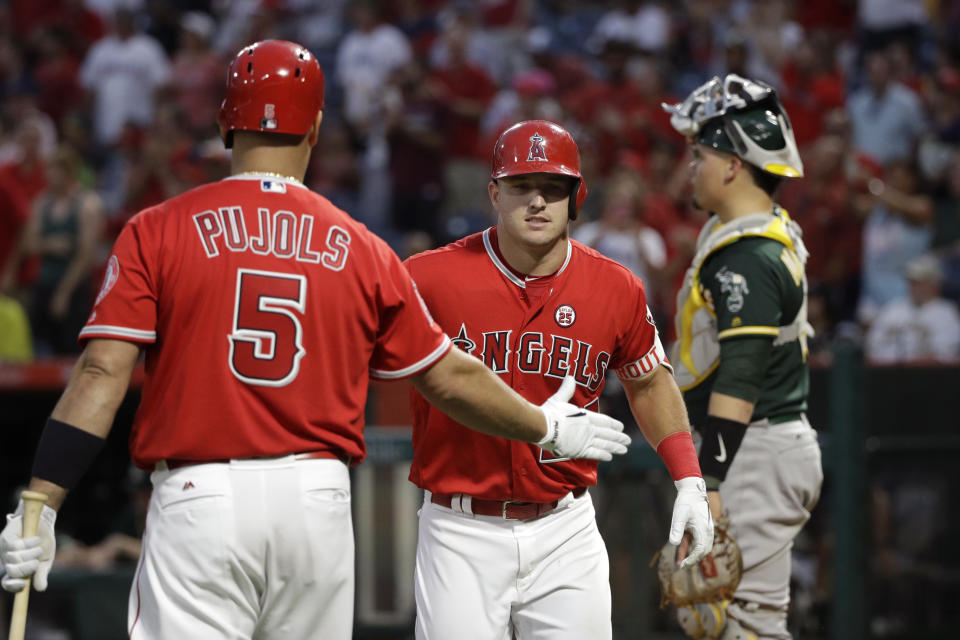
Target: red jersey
[(590, 316), (265, 310)]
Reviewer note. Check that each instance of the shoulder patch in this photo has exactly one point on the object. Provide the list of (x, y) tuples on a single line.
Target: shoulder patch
[(735, 286), (109, 278)]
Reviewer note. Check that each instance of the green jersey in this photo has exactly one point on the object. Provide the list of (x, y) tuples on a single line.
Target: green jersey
[(753, 287)]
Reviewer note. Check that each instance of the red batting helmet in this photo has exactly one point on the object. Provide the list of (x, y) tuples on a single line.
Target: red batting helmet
[(274, 86), (540, 146)]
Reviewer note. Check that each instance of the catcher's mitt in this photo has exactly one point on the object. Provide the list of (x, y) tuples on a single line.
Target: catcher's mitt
[(715, 578)]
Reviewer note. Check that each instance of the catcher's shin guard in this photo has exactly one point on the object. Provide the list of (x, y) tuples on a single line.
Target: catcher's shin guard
[(734, 631), (705, 620)]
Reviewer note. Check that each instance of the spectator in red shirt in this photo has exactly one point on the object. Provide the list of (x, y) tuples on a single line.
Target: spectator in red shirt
[(416, 120), (812, 85), (56, 74), (826, 205), (197, 73), (467, 91), (163, 163), (14, 210), (29, 169), (604, 105)]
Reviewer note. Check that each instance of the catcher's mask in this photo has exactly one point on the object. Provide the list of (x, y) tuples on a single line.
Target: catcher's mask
[(540, 146), (743, 117)]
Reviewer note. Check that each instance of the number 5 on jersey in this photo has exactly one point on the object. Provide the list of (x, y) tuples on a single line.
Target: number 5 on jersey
[(266, 341)]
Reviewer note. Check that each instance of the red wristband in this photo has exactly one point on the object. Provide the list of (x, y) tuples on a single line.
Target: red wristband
[(680, 456)]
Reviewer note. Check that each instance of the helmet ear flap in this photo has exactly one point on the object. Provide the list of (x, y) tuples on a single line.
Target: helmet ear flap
[(577, 197)]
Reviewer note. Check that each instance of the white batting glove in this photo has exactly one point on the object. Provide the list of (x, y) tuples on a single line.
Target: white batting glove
[(25, 557), (573, 432), (691, 511)]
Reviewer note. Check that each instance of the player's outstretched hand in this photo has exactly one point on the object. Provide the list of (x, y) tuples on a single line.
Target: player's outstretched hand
[(25, 557), (691, 512), (573, 432)]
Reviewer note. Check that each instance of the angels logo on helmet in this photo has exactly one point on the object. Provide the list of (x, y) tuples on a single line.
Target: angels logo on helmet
[(536, 153)]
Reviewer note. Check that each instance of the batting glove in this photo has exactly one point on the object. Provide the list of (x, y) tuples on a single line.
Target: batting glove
[(573, 432), (25, 557), (691, 511)]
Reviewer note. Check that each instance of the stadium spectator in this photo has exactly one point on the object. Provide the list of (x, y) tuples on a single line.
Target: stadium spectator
[(897, 230), (162, 163), (55, 73), (882, 22), (27, 166), (368, 54), (923, 327), (34, 132), (887, 117), (621, 234), (122, 72), (825, 203), (197, 73), (14, 211), (529, 97), (467, 91), (63, 230), (946, 225), (416, 120), (811, 85)]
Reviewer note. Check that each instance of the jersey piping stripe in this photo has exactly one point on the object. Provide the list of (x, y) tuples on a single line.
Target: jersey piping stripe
[(748, 331), (414, 368), (488, 245), (120, 332)]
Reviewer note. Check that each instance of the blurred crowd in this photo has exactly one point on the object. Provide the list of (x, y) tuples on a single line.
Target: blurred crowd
[(108, 107)]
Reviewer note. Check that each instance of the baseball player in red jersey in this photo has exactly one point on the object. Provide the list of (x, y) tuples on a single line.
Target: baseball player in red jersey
[(263, 311), (508, 543)]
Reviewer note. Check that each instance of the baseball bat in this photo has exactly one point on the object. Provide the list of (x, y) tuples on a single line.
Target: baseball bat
[(33, 502)]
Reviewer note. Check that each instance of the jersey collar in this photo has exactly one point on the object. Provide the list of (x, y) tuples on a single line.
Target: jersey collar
[(489, 237), (273, 177)]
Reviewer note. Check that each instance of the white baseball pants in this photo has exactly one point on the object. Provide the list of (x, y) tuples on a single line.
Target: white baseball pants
[(486, 578), (259, 548), (773, 484)]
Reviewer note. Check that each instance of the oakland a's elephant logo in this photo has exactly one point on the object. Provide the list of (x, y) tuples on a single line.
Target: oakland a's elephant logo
[(735, 285), (536, 153)]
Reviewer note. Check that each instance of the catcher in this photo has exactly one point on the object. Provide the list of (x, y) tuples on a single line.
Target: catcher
[(741, 356)]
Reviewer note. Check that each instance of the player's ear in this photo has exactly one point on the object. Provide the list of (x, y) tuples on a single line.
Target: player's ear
[(314, 132), (734, 166), (493, 190)]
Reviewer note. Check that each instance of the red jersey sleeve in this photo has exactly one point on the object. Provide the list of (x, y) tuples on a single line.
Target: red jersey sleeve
[(126, 306), (640, 352), (409, 340)]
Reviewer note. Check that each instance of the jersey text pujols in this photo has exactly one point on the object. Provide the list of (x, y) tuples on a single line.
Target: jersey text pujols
[(281, 233)]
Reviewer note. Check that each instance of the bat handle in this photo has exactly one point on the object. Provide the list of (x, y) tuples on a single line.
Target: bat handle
[(33, 502)]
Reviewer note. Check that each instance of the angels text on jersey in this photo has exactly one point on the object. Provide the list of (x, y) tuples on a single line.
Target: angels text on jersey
[(536, 353), (282, 234)]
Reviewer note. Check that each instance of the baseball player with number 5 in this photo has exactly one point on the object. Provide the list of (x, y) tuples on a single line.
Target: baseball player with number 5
[(508, 542), (741, 352), (263, 311)]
